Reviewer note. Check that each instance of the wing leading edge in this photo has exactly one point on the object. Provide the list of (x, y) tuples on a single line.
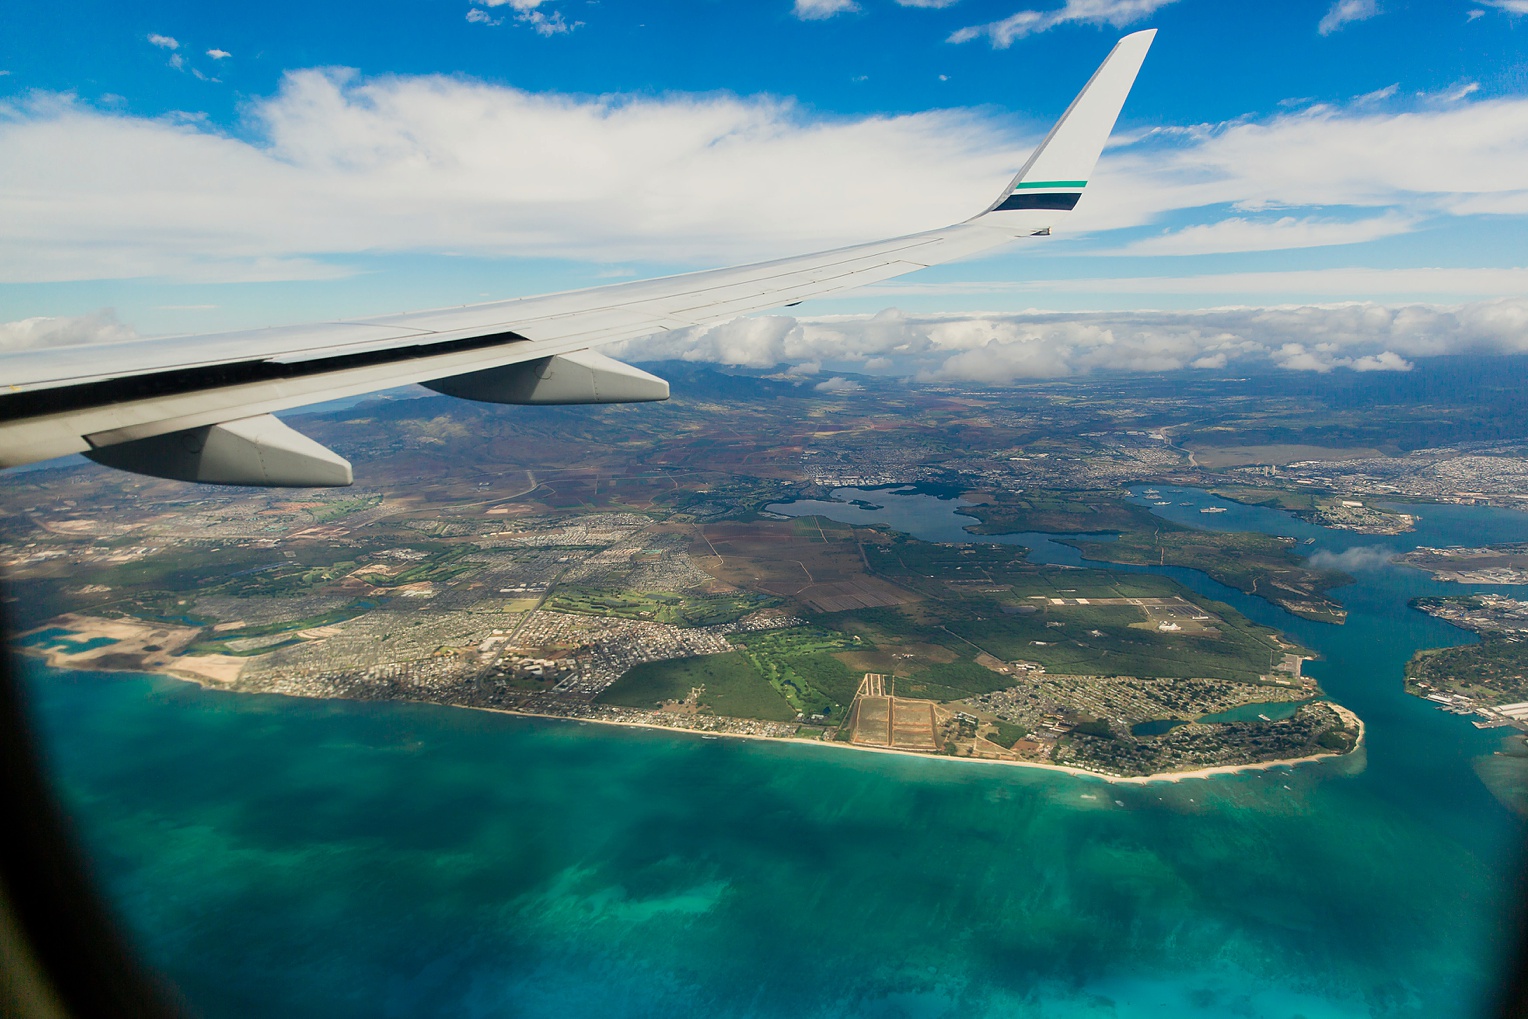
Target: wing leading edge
[(198, 408)]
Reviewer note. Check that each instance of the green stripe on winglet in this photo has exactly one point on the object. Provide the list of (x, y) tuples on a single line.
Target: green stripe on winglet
[(1051, 184)]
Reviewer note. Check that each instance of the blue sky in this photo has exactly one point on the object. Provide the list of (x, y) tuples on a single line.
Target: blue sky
[(172, 167), (1213, 61)]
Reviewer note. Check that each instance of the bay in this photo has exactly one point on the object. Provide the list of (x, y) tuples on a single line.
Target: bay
[(278, 856)]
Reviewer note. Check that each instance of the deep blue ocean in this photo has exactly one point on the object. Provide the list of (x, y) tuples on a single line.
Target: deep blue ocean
[(284, 857)]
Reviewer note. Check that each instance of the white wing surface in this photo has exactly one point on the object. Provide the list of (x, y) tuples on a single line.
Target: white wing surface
[(197, 408)]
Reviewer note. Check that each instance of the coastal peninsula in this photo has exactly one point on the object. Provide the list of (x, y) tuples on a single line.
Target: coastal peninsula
[(690, 568), (1491, 564), (1488, 679), (800, 629)]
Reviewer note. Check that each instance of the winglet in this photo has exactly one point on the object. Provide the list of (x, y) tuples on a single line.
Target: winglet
[(1051, 183)]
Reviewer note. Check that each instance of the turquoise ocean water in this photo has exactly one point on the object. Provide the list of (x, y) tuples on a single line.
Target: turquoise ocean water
[(282, 857)]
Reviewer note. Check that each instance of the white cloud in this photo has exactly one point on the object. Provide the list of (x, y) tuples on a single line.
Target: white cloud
[(934, 4), (1117, 13), (1510, 6), (64, 331), (838, 384), (1377, 94), (1436, 158), (817, 10), (343, 164), (217, 54), (335, 163), (1323, 357), (1384, 361), (164, 42), (1003, 348), (526, 12), (1456, 93), (1341, 283), (1240, 234), (761, 342), (1345, 12), (1361, 558)]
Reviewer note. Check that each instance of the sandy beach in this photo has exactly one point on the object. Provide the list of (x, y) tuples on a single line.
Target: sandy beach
[(1171, 776)]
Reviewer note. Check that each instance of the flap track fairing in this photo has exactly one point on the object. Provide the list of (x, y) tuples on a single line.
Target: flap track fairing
[(258, 451), (580, 377)]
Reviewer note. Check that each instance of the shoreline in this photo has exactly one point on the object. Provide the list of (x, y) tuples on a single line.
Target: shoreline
[(55, 659), (1166, 776)]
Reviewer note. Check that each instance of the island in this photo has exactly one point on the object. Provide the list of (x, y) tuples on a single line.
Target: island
[(1345, 512)]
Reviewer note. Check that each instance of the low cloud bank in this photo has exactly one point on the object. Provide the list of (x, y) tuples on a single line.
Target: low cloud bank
[(64, 331), (1005, 348)]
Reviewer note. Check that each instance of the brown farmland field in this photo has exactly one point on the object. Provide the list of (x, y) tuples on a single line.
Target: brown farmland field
[(819, 567)]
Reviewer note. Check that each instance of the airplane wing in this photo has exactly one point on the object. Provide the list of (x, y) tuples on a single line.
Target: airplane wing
[(199, 408)]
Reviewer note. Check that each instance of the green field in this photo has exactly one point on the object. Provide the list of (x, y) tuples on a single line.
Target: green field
[(1007, 734), (1099, 640), (266, 573), (1275, 498), (951, 681), (728, 683), (1015, 619), (660, 606), (341, 508), (798, 662), (1056, 513), (445, 563), (940, 570), (1259, 564)]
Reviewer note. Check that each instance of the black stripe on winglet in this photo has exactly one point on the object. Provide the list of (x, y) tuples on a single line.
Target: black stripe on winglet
[(1063, 201)]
